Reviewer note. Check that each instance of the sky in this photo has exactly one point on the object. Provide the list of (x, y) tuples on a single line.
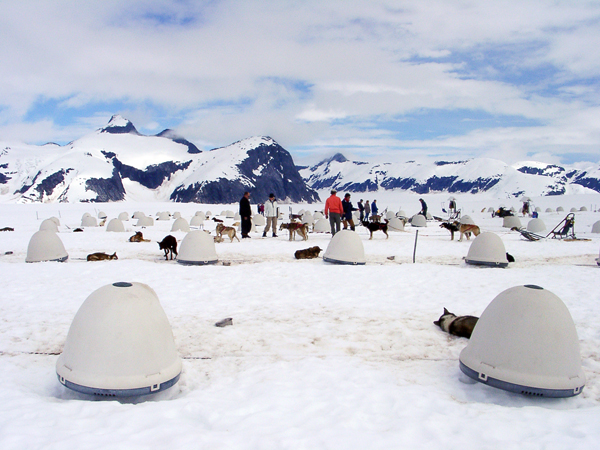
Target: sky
[(390, 80)]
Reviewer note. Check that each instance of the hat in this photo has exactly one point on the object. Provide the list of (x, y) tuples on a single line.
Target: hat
[(271, 195)]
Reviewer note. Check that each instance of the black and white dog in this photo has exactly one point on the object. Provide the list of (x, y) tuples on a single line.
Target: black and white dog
[(376, 226), (461, 326)]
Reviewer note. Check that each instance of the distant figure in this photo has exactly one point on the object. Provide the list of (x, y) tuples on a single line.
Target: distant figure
[(348, 208), (271, 212), (246, 214), (367, 210), (452, 206), (334, 210), (423, 208), (374, 208), (525, 208), (361, 209)]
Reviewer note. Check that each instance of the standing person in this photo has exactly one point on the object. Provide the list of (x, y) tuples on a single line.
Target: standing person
[(334, 210), (246, 214), (367, 210), (271, 214), (423, 208), (347, 205), (361, 209), (374, 211)]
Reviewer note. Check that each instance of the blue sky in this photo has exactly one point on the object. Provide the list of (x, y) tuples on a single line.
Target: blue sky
[(378, 81)]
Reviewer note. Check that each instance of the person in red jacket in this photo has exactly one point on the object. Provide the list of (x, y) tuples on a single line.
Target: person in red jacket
[(334, 211)]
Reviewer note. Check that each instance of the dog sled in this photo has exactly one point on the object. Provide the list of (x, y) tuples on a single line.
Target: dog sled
[(565, 230)]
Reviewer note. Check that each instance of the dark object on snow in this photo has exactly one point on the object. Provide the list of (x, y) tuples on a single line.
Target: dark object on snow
[(78, 230), (502, 212), (308, 253), (224, 322), (510, 257), (7, 229), (461, 326), (168, 244)]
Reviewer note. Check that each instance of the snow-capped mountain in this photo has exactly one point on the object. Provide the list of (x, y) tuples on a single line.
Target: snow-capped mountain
[(117, 162), (472, 176)]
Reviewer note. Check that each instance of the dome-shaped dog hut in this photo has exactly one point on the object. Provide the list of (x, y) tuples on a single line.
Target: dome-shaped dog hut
[(322, 226), (308, 219), (396, 224), (45, 245), (536, 225), (102, 215), (145, 222), (490, 210), (560, 209), (180, 224), (85, 215), (511, 222), (176, 215), (89, 221), (401, 213), (390, 215), (467, 220), (197, 221), (197, 248), (199, 213), (487, 250), (123, 217), (418, 220), (596, 227), (55, 220), (138, 215), (549, 210), (574, 209), (318, 215), (120, 343), (345, 248), (583, 208), (115, 225), (49, 224), (539, 356), (229, 214), (259, 220), (163, 216)]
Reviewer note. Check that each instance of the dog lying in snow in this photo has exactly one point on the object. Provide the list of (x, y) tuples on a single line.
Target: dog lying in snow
[(308, 253), (461, 326), (101, 256), (138, 237)]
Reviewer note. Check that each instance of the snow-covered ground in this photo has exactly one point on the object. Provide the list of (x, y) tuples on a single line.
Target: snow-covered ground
[(319, 356)]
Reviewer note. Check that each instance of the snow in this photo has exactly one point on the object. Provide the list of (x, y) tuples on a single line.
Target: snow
[(319, 356)]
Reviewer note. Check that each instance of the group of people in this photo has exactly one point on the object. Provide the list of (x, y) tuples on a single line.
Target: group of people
[(270, 211)]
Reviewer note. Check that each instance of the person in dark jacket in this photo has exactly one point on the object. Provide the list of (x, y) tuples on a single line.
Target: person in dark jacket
[(423, 208), (361, 209), (348, 208), (246, 214)]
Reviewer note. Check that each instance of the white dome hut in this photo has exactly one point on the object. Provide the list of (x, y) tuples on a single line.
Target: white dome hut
[(199, 213), (390, 215), (229, 214), (538, 209), (145, 222), (345, 247), (49, 224), (45, 245), (164, 215), (86, 215), (120, 343), (115, 225), (560, 209), (549, 210), (418, 220), (318, 215), (574, 209), (102, 215), (511, 221), (55, 220), (490, 210), (176, 215), (307, 218), (197, 248), (197, 221), (583, 208), (540, 355), (401, 213), (322, 226), (259, 220), (223, 213), (467, 220), (180, 224), (487, 250), (536, 225), (208, 214), (89, 221), (596, 227), (138, 215), (237, 216), (396, 224), (123, 217)]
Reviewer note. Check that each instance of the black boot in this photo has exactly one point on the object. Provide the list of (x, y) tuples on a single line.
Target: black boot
[(265, 234)]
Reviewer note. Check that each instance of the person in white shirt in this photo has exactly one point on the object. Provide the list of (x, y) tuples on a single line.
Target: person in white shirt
[(271, 213)]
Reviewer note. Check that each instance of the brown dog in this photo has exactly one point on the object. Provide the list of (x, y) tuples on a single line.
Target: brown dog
[(101, 256), (229, 231), (138, 237), (466, 229), (308, 253), (295, 227)]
